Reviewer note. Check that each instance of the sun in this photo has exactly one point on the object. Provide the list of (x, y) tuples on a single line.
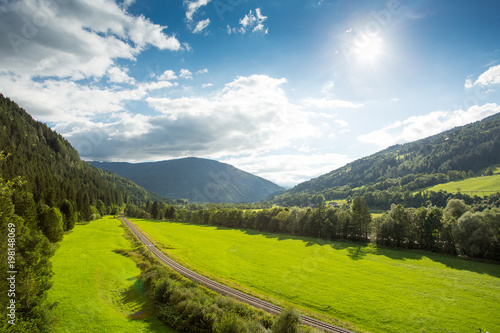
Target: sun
[(370, 51)]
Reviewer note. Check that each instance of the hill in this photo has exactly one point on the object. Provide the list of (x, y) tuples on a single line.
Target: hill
[(53, 170), (457, 154), (195, 179)]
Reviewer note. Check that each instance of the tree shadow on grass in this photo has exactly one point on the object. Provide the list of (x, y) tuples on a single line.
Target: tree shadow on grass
[(359, 250), (134, 297)]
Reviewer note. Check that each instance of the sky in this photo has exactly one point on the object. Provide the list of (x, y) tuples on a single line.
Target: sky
[(287, 90)]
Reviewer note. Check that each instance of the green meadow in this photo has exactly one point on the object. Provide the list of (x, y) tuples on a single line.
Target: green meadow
[(96, 289), (369, 289), (488, 184)]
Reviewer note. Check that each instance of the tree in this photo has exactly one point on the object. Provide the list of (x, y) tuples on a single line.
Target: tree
[(69, 216), (360, 217), (288, 322), (51, 223), (155, 211), (489, 172)]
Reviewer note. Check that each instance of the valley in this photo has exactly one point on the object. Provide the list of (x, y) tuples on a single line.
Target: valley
[(96, 288), (347, 282)]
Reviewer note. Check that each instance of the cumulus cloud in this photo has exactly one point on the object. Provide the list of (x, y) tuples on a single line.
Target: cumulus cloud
[(77, 39), (251, 22), (168, 75), (419, 127), (249, 115), (328, 103), (186, 74), (289, 169), (490, 77)]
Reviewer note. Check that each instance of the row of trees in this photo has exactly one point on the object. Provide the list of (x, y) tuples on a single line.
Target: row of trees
[(457, 229)]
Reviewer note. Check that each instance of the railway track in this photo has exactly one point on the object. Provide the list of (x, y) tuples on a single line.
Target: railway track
[(223, 289)]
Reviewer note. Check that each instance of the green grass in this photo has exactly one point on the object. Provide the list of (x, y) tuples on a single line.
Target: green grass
[(95, 287), (378, 290), (488, 184)]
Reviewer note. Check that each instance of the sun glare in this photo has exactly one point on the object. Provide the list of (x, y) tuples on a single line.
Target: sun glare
[(371, 51)]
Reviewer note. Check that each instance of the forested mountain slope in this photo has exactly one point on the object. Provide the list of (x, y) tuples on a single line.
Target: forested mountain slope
[(452, 155), (195, 179), (53, 170)]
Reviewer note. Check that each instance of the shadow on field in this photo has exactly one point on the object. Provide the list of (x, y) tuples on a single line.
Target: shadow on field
[(359, 250), (145, 312)]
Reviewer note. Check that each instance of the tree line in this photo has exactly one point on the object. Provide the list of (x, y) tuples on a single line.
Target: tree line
[(456, 229)]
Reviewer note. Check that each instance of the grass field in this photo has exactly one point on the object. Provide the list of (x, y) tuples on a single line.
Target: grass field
[(488, 184), (96, 288), (377, 290)]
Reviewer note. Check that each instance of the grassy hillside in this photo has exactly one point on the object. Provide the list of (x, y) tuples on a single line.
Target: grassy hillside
[(195, 179), (96, 289), (376, 290), (474, 186)]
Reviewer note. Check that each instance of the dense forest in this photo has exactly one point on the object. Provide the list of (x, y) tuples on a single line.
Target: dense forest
[(44, 190), (458, 229), (53, 172), (392, 175)]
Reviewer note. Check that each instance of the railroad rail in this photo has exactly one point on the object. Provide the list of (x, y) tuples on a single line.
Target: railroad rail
[(228, 291)]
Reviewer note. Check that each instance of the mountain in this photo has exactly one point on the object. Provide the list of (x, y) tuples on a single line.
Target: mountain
[(455, 154), (53, 170), (195, 179)]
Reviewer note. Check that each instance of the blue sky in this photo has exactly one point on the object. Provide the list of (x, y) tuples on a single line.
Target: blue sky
[(288, 90)]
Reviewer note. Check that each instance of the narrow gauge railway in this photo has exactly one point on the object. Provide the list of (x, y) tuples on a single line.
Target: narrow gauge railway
[(223, 289)]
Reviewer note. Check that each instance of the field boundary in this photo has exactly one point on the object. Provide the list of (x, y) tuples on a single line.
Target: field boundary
[(223, 289)]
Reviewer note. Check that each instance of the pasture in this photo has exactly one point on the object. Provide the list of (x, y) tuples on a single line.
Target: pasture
[(96, 289), (480, 186), (375, 290)]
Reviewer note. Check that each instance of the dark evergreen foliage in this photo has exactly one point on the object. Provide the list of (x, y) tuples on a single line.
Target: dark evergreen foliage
[(53, 171)]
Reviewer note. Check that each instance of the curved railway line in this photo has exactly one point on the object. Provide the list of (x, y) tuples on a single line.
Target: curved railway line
[(223, 289)]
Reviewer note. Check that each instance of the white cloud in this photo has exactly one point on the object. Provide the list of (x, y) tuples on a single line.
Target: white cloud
[(201, 25), (250, 115), (193, 6), (186, 74), (419, 127), (289, 169), (202, 71), (328, 103), (207, 85), (168, 75), (491, 76), (119, 75), (77, 39), (251, 22)]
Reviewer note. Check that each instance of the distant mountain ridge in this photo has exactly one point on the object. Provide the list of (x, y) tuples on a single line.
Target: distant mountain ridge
[(195, 179), (459, 153)]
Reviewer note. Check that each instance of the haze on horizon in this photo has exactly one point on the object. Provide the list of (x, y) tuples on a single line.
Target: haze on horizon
[(286, 90)]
